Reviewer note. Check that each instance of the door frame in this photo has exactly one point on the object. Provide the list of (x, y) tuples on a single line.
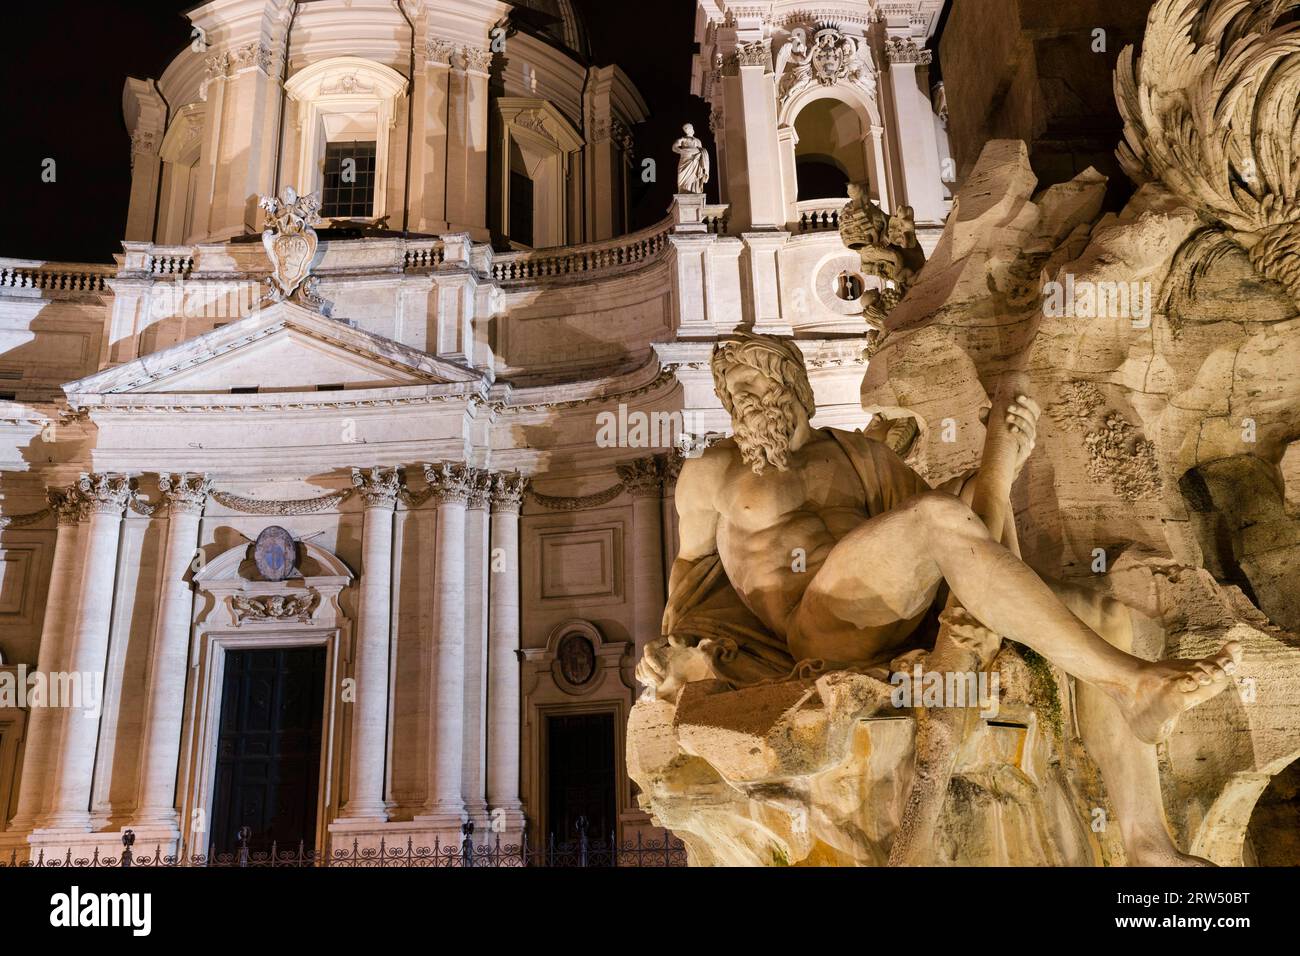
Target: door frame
[(544, 715), (211, 682), (546, 693)]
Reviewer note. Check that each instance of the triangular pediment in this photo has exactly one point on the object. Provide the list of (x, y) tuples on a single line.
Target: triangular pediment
[(283, 348)]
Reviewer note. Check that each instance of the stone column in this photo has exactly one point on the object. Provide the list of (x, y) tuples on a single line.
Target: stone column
[(243, 110), (918, 144), (880, 170), (106, 497), (467, 142), (379, 488), (503, 659), (753, 164), (473, 768), (44, 723), (186, 495), (445, 806), (643, 478), (146, 117), (429, 148)]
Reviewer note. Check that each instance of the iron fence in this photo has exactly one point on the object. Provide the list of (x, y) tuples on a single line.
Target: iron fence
[(581, 852)]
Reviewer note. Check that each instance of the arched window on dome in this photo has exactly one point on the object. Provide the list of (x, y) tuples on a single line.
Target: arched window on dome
[(340, 143), (537, 189)]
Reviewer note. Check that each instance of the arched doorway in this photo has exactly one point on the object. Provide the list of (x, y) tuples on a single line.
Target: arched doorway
[(830, 152)]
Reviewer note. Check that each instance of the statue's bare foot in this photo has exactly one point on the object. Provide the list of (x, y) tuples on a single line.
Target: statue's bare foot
[(1167, 688), (1161, 853)]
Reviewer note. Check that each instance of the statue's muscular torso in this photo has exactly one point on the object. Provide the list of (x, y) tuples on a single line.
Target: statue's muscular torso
[(774, 530)]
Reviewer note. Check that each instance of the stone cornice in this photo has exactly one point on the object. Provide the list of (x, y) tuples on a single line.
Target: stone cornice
[(600, 396)]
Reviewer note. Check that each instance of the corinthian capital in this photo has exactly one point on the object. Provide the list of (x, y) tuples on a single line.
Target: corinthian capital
[(104, 493), (186, 493), (477, 58), (905, 50), (66, 503), (439, 50), (379, 487), (642, 477), (508, 491), (450, 482)]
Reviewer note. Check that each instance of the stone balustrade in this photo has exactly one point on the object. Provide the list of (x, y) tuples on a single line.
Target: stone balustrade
[(54, 276), (425, 254), (581, 261), (819, 215)]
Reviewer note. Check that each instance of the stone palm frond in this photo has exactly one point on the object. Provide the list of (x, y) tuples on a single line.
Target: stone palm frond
[(1211, 110)]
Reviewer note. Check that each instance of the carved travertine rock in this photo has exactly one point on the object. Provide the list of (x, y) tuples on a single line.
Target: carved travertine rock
[(807, 554), (1167, 369)]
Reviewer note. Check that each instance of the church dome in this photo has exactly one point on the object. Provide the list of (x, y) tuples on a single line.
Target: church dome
[(555, 20)]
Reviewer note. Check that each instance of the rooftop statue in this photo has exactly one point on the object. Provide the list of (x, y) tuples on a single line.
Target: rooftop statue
[(693, 162)]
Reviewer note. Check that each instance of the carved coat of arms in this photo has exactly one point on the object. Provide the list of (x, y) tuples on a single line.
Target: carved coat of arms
[(833, 57), (289, 239)]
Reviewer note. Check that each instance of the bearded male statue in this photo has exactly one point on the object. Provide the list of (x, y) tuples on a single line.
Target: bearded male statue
[(879, 546)]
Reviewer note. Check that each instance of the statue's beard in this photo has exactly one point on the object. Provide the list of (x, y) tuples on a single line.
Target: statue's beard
[(763, 427)]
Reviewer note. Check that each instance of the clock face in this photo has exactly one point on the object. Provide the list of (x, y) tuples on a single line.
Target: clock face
[(276, 554)]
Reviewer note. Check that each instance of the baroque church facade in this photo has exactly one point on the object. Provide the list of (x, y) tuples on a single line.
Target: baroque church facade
[(378, 559)]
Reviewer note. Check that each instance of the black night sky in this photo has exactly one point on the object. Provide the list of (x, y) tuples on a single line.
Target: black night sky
[(64, 62)]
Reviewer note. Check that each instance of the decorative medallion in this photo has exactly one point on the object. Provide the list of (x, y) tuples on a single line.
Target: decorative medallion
[(275, 553), (577, 659)]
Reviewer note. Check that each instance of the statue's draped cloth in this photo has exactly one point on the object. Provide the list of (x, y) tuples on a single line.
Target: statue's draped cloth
[(693, 171), (705, 611)]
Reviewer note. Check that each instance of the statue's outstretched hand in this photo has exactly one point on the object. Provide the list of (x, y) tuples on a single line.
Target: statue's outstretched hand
[(1022, 422)]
